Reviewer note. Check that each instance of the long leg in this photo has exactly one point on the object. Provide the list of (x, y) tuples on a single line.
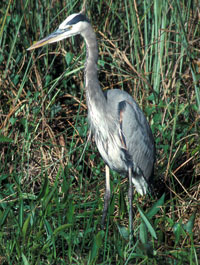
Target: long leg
[(106, 197), (130, 197)]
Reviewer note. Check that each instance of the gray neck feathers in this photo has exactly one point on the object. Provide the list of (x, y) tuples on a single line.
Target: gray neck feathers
[(93, 91)]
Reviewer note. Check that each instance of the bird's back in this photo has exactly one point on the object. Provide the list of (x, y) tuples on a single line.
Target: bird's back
[(129, 137), (135, 128)]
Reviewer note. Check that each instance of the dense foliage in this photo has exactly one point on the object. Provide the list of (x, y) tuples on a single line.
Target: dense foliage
[(51, 180)]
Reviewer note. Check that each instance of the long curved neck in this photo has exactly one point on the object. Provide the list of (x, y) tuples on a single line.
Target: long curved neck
[(94, 93)]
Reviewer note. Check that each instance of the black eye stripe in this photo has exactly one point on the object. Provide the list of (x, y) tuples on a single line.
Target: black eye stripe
[(78, 18)]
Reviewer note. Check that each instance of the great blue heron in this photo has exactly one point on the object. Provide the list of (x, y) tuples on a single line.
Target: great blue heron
[(120, 129)]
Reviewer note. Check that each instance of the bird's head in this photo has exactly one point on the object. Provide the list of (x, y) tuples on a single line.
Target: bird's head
[(73, 25)]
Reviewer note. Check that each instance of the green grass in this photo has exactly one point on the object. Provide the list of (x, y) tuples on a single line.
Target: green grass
[(51, 201)]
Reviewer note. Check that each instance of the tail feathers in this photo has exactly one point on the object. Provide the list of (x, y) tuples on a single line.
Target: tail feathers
[(140, 184)]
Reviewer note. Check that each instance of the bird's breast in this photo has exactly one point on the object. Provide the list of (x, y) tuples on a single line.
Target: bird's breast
[(111, 151), (106, 132)]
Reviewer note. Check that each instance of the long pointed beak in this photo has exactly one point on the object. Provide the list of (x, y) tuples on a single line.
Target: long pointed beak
[(53, 37)]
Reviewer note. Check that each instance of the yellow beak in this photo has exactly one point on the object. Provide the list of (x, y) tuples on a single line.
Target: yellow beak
[(53, 37)]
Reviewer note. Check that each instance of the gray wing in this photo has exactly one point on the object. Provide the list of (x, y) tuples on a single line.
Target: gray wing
[(135, 129)]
